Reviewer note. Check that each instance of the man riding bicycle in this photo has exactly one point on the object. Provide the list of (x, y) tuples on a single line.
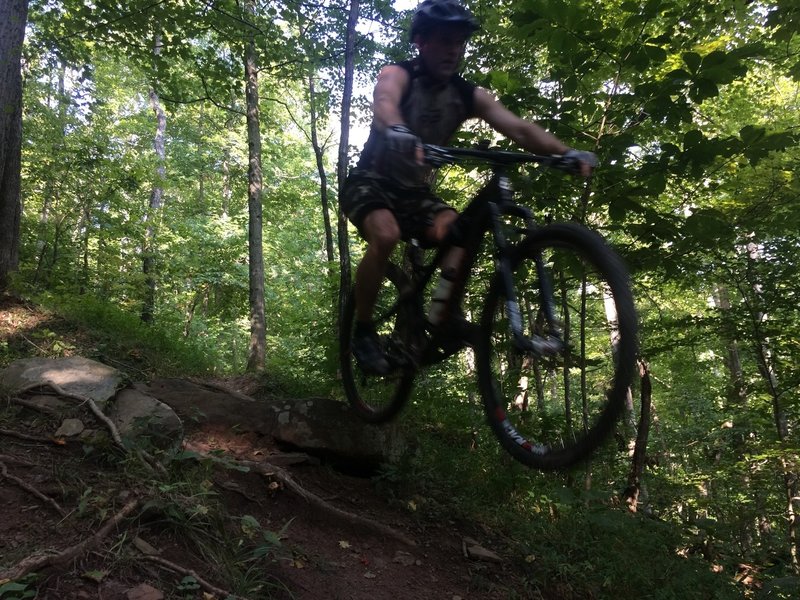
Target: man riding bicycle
[(388, 195)]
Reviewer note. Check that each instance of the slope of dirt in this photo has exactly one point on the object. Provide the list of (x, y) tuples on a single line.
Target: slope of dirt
[(213, 529)]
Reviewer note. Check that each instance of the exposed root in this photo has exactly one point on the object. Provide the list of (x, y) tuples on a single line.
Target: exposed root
[(188, 572), (270, 470), (16, 460), (40, 560), (145, 457), (31, 490), (37, 407), (94, 408), (29, 438), (222, 388)]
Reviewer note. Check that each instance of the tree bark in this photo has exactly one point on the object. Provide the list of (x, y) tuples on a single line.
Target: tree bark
[(767, 368), (13, 18), (632, 492), (737, 391), (344, 140), (323, 176), (256, 357), (156, 201)]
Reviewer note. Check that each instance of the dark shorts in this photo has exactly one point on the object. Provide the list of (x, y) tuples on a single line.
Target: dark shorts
[(414, 208)]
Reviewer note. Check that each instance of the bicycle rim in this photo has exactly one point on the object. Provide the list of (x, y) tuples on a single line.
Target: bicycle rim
[(551, 411), (377, 399)]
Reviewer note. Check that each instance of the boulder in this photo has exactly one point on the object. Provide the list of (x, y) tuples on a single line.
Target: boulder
[(320, 426), (75, 375), (137, 415)]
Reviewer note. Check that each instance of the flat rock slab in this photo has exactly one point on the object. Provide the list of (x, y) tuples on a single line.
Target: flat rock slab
[(75, 375), (318, 426)]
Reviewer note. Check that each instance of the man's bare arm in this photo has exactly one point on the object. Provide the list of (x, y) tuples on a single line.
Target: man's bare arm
[(389, 89)]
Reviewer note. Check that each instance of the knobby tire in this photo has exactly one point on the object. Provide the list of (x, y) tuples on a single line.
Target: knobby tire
[(377, 399), (525, 396)]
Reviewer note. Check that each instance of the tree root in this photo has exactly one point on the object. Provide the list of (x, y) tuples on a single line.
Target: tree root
[(39, 560), (150, 462), (28, 437), (31, 490), (222, 388), (15, 460), (270, 470), (37, 407), (212, 589)]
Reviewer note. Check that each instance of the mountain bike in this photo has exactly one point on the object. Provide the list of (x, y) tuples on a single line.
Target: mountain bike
[(556, 343)]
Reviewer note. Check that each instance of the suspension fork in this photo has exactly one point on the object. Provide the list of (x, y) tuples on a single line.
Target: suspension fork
[(536, 344)]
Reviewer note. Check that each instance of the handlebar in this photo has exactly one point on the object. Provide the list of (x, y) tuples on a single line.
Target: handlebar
[(437, 156)]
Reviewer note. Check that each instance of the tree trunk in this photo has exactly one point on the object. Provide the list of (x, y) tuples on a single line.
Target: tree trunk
[(151, 217), (632, 492), (791, 487), (323, 176), (13, 18), (737, 391), (51, 193), (256, 357), (344, 140)]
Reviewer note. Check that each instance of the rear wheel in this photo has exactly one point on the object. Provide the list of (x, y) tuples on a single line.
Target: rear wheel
[(375, 398), (552, 402)]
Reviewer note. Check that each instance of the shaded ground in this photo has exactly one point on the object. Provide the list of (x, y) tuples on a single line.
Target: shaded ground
[(207, 529)]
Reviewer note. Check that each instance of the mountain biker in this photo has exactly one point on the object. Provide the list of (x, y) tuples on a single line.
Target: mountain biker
[(387, 196)]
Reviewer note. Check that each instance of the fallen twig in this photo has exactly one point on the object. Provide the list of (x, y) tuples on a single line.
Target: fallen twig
[(284, 477), (39, 560), (148, 460), (31, 490), (189, 572), (8, 458), (28, 437), (222, 388), (94, 408), (37, 407)]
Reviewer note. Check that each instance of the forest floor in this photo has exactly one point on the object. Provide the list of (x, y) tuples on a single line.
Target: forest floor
[(94, 527)]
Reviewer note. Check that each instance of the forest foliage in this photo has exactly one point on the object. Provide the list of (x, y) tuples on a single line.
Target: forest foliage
[(693, 108)]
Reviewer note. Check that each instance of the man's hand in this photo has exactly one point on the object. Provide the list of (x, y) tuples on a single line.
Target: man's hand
[(578, 162), (401, 139)]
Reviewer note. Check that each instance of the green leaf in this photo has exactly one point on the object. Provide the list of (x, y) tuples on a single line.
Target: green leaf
[(619, 207), (707, 224), (794, 72), (751, 134), (692, 60), (702, 89), (499, 81)]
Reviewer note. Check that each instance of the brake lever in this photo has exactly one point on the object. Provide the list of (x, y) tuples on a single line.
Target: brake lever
[(437, 156)]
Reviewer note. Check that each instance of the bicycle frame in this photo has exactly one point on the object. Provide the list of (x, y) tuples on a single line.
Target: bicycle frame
[(487, 207)]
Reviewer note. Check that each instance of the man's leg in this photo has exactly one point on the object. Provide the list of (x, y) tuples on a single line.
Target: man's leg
[(452, 277), (382, 233), (437, 232)]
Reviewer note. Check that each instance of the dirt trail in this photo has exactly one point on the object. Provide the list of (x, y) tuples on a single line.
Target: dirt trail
[(200, 537)]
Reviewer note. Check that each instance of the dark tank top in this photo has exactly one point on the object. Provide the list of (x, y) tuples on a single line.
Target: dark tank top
[(433, 110)]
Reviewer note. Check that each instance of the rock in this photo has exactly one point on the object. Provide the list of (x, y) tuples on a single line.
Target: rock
[(144, 592), (144, 547), (48, 402), (404, 558), (475, 551), (138, 415), (75, 375), (322, 425), (70, 427), (319, 426)]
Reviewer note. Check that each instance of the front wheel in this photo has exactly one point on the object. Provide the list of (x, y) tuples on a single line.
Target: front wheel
[(555, 393), (375, 398)]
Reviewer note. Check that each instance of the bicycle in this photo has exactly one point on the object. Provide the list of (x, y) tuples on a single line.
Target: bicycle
[(556, 343)]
